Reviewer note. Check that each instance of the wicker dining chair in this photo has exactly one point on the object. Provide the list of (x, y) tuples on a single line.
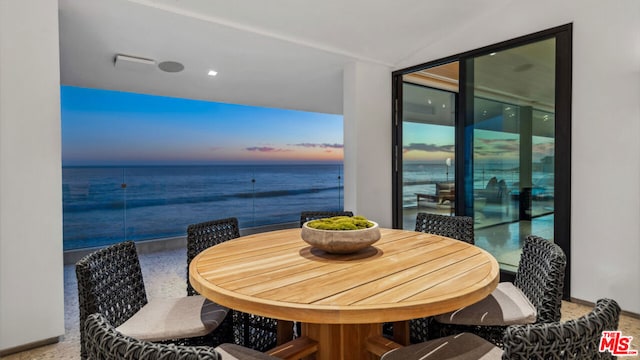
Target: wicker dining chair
[(314, 215), (574, 339), (104, 342), (455, 227), (252, 331), (535, 296), (207, 234), (110, 283)]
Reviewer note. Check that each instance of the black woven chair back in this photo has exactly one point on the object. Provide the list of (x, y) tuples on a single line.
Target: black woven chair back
[(456, 227), (104, 342), (574, 339), (110, 283), (540, 276), (252, 331), (206, 234), (313, 215)]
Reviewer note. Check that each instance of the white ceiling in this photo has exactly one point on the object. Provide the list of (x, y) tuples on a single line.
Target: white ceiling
[(276, 53)]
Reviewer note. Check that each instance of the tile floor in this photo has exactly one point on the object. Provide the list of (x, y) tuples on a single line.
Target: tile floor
[(164, 273), (501, 235)]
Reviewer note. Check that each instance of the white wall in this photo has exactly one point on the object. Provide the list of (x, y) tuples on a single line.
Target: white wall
[(31, 270), (605, 225), (367, 141)]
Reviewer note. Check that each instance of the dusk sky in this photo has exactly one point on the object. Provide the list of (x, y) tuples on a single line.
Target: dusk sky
[(435, 143), (427, 143), (101, 127)]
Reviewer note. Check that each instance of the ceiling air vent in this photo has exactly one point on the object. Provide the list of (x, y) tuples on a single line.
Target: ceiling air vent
[(133, 63)]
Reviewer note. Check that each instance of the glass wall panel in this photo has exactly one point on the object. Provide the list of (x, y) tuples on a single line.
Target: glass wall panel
[(512, 122), (428, 157), (281, 193), (105, 205), (93, 202)]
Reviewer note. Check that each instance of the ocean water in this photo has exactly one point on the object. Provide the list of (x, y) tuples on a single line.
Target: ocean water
[(104, 205)]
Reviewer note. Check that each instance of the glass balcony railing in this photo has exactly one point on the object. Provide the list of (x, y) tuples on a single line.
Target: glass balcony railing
[(105, 205)]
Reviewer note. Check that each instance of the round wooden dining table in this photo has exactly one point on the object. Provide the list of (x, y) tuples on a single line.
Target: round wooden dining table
[(342, 300)]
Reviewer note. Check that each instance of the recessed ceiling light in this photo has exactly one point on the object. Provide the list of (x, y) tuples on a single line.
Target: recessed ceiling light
[(212, 73)]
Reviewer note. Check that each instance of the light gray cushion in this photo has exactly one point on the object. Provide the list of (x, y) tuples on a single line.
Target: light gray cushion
[(506, 305), (237, 352), (166, 319), (460, 346)]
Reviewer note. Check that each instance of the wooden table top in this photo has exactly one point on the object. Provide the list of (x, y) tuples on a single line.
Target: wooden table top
[(404, 275)]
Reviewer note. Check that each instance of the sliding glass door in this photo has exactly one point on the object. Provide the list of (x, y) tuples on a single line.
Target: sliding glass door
[(501, 154), (510, 119), (428, 155)]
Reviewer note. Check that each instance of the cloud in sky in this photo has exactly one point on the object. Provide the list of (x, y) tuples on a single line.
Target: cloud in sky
[(511, 148), (547, 148), (265, 149), (428, 147), (498, 144), (323, 146)]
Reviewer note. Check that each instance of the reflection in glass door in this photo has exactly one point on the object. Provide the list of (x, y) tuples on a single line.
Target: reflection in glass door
[(510, 112), (511, 130), (428, 158)]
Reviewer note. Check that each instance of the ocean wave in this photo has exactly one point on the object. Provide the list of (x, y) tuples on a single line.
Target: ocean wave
[(140, 203)]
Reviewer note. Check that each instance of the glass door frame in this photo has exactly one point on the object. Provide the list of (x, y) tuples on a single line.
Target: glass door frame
[(464, 150)]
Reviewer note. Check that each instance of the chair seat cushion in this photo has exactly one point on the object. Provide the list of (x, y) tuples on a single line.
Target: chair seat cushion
[(167, 319), (460, 346), (506, 305), (237, 352)]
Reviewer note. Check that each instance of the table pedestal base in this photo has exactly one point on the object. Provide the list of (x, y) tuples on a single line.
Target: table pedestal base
[(342, 341)]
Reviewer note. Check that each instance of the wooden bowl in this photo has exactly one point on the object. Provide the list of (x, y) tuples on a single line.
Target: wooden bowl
[(340, 241)]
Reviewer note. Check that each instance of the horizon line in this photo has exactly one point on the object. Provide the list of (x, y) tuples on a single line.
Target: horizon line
[(206, 164)]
